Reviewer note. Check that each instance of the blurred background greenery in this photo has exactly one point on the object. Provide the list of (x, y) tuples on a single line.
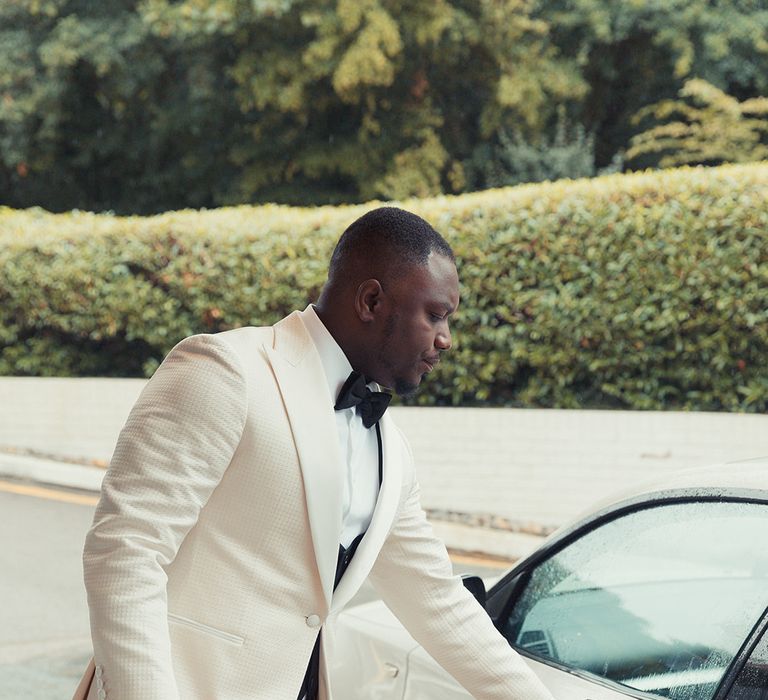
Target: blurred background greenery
[(644, 291), (620, 290), (140, 106)]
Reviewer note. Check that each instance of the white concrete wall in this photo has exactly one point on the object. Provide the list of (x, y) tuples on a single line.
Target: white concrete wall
[(530, 466), (544, 466), (76, 418)]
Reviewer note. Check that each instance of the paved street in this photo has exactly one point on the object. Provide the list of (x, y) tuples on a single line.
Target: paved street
[(44, 637), (44, 634)]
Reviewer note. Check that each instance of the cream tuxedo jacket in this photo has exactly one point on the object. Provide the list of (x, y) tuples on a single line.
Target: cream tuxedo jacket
[(209, 567)]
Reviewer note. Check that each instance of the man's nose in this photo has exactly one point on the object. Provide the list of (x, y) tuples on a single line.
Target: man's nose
[(443, 338)]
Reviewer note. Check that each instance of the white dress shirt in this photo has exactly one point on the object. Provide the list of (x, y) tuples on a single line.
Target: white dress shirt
[(359, 447)]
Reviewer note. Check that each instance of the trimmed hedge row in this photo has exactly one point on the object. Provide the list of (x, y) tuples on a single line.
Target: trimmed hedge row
[(646, 291)]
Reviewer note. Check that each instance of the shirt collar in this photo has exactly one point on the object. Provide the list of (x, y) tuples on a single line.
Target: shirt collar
[(335, 363)]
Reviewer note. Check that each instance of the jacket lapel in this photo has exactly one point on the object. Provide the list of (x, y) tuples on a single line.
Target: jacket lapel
[(309, 407), (383, 516)]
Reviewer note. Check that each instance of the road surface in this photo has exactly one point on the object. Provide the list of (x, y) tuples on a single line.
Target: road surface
[(44, 633)]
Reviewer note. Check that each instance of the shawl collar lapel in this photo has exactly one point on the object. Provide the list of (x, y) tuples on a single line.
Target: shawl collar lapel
[(309, 407), (383, 516)]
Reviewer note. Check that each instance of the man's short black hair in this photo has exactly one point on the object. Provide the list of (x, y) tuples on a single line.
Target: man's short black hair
[(394, 237)]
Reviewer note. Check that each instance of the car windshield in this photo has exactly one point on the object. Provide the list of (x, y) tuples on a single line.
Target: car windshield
[(660, 599)]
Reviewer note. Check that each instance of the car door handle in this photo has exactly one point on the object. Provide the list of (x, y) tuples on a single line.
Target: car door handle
[(391, 670)]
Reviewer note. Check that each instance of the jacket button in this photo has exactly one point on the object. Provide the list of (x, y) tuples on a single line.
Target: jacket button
[(313, 621)]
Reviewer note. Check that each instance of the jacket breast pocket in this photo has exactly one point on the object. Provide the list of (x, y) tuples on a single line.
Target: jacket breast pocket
[(206, 629)]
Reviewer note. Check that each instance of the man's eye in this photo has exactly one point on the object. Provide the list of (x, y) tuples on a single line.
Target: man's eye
[(436, 317)]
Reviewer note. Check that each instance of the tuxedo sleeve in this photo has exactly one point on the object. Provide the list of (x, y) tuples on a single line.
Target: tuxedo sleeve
[(414, 577), (171, 454)]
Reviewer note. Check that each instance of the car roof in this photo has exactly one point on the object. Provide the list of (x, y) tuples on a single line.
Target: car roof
[(747, 480)]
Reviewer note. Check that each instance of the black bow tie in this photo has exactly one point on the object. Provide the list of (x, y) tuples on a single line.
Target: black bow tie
[(370, 404)]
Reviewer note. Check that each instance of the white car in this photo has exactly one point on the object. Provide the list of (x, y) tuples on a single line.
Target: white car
[(657, 593)]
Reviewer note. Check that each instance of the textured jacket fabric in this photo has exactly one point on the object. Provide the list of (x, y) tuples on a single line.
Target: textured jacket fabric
[(209, 567)]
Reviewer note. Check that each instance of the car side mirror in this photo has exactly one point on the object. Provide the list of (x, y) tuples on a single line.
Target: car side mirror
[(475, 585)]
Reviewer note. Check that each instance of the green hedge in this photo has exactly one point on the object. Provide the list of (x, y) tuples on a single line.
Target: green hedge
[(645, 291)]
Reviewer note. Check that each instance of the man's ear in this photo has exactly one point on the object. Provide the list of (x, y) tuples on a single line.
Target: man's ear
[(368, 299)]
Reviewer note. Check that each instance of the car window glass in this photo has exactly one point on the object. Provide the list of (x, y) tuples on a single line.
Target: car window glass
[(659, 599), (752, 682)]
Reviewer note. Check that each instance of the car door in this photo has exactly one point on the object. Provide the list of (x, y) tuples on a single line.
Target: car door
[(367, 654), (428, 681), (654, 601), (751, 680), (661, 598)]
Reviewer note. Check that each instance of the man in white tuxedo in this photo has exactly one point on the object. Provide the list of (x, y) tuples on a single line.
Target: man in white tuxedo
[(256, 485)]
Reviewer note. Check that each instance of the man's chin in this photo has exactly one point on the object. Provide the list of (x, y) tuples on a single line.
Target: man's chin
[(405, 388)]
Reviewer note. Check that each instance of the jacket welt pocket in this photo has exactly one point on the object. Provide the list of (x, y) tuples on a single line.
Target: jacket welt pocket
[(206, 629)]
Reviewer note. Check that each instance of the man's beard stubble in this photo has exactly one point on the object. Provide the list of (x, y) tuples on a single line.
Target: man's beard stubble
[(402, 387)]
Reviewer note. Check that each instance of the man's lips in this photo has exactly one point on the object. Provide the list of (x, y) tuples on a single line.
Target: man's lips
[(430, 362)]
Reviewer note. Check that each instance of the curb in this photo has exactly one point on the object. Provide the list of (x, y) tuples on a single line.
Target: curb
[(47, 471), (483, 542)]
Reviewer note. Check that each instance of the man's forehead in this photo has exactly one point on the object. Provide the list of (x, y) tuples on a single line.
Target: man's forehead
[(439, 280)]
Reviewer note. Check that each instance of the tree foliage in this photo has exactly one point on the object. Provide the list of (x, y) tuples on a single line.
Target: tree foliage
[(378, 98), (99, 112), (139, 106), (513, 159), (636, 53), (711, 127)]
